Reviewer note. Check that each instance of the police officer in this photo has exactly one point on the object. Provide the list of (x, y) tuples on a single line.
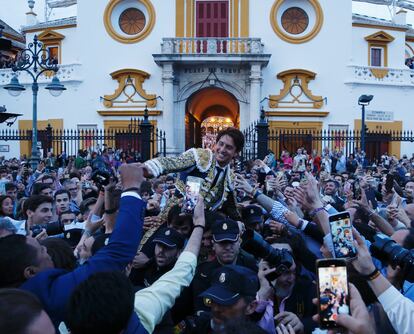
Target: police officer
[(226, 246), (231, 297), (168, 246)]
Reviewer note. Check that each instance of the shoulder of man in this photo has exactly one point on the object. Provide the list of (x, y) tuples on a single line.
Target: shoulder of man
[(247, 260), (203, 158), (199, 324), (205, 269)]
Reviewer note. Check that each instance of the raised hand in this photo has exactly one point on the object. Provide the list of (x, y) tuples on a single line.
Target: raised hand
[(132, 175), (241, 184), (308, 193)]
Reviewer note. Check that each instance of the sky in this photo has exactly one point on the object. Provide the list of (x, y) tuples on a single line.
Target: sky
[(13, 11)]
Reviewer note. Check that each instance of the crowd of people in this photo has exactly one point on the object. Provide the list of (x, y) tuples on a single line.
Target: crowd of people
[(99, 243)]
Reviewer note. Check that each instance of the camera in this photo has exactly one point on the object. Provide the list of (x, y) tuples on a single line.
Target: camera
[(51, 228), (101, 177), (281, 259), (388, 251)]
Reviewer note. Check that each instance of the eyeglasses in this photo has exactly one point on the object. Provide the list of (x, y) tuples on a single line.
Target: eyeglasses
[(73, 189)]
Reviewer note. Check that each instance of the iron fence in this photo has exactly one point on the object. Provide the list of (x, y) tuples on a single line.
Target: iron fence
[(259, 139), (139, 136)]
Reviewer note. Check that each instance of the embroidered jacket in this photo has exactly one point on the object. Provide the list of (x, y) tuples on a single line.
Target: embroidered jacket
[(200, 163)]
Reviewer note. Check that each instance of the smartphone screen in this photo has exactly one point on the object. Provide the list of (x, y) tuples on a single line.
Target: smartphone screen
[(342, 238), (192, 190), (332, 291)]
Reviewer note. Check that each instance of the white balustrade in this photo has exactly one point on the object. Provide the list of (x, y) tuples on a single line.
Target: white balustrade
[(212, 46), (66, 73), (384, 75)]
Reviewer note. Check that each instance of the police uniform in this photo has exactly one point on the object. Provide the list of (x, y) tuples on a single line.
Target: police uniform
[(223, 230), (146, 276), (227, 285)]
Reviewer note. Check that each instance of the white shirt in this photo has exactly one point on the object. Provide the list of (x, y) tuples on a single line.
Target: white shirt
[(399, 309)]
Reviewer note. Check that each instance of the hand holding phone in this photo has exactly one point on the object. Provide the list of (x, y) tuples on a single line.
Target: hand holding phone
[(342, 238), (333, 291), (359, 321), (192, 190)]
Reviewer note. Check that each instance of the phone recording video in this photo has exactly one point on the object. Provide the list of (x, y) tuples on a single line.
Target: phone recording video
[(332, 291), (192, 190), (342, 238)]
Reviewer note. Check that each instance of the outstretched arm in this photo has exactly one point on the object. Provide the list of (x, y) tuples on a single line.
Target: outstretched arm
[(159, 166), (123, 242), (152, 303)]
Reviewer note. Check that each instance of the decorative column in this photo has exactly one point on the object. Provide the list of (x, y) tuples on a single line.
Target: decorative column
[(255, 88), (168, 112)]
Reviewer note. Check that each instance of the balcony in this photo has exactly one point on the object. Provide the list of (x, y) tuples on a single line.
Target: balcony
[(67, 73), (211, 49), (386, 76)]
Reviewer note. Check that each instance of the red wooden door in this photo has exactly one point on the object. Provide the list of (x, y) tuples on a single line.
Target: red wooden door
[(212, 20)]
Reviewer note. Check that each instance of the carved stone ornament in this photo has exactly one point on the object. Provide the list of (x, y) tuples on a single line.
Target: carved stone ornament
[(296, 93), (130, 92)]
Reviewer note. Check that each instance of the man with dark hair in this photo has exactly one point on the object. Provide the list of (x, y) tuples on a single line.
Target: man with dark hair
[(22, 313), (95, 294), (42, 189), (62, 200), (103, 307), (168, 246), (30, 271), (290, 294), (212, 168), (330, 192), (86, 207), (38, 209)]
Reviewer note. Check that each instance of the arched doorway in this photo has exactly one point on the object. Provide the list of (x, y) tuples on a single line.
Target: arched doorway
[(207, 111)]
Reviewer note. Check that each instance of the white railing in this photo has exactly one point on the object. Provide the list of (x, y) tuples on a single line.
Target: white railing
[(212, 46), (381, 75), (66, 73)]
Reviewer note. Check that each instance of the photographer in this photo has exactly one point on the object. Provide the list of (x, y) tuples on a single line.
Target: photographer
[(400, 310), (289, 293)]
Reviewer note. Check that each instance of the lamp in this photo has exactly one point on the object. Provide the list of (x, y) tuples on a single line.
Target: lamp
[(364, 101), (34, 60), (14, 88), (55, 88)]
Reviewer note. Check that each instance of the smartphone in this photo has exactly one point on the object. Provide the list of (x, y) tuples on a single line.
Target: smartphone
[(370, 194), (342, 238), (333, 291), (389, 183), (192, 190)]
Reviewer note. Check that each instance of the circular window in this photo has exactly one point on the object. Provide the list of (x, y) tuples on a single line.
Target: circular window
[(295, 20), (132, 21), (129, 21)]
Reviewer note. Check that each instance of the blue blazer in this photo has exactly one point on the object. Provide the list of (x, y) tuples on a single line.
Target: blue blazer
[(54, 287)]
